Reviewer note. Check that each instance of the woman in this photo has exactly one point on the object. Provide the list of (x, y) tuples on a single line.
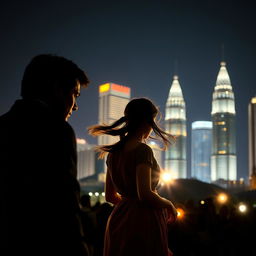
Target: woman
[(138, 223)]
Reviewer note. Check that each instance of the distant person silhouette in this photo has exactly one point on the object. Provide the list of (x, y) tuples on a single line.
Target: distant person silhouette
[(89, 223), (102, 212), (39, 188), (138, 223)]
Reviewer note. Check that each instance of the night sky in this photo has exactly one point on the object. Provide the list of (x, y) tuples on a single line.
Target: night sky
[(137, 43)]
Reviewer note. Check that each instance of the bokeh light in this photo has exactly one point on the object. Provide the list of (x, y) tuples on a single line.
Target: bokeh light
[(222, 198), (181, 213), (242, 208), (166, 177)]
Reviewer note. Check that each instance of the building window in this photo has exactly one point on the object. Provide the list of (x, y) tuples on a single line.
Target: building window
[(220, 123)]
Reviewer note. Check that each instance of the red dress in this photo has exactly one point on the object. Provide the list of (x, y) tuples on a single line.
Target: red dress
[(134, 227)]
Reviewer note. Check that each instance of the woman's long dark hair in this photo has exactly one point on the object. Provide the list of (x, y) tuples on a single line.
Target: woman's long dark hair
[(136, 113)]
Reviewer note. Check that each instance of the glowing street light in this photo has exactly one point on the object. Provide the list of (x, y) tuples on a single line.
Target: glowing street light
[(242, 208), (166, 177), (222, 198), (202, 202), (180, 213)]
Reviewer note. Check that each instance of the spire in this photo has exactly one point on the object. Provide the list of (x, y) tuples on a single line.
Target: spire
[(223, 95), (175, 105), (176, 67), (175, 90), (223, 52), (223, 79)]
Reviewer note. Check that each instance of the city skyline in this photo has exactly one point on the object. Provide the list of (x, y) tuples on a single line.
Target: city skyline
[(137, 45)]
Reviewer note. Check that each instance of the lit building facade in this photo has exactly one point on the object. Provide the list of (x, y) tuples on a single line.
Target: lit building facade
[(223, 158), (201, 145), (85, 159), (252, 142), (113, 99), (175, 161)]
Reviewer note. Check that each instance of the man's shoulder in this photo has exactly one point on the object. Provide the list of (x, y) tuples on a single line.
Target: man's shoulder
[(5, 119), (68, 128)]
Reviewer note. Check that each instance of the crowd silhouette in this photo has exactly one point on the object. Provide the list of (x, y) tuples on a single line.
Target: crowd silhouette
[(204, 229)]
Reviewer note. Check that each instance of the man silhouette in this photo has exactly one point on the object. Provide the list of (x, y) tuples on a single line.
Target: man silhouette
[(38, 184)]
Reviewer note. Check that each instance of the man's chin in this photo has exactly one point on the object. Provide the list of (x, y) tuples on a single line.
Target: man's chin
[(67, 117)]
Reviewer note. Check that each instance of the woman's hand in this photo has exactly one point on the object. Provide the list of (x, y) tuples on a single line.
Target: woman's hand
[(171, 214)]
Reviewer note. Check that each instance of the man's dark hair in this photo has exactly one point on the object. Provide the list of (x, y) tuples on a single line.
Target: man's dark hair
[(46, 72)]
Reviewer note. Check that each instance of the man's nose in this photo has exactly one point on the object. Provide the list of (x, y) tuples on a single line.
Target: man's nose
[(75, 107)]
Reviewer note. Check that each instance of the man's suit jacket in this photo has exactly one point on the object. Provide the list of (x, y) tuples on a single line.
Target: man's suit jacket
[(39, 189)]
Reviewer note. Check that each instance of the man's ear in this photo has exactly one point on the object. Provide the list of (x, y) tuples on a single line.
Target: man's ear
[(56, 97), (58, 92)]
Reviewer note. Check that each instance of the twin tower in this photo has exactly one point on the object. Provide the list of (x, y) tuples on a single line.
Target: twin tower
[(223, 148)]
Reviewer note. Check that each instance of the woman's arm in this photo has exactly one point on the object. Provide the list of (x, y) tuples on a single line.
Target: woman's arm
[(110, 193), (145, 193)]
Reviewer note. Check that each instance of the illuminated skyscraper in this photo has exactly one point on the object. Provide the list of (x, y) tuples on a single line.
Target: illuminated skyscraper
[(201, 145), (86, 159), (113, 99), (252, 142), (175, 123), (223, 159)]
